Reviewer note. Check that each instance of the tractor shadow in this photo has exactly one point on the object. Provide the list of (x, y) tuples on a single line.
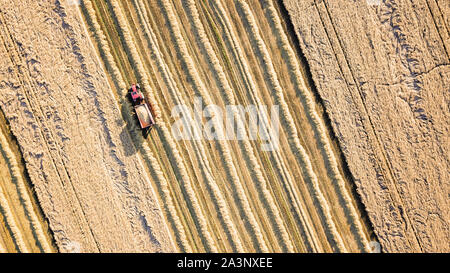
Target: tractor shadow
[(129, 139)]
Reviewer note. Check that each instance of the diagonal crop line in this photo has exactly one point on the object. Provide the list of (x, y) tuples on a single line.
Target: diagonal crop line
[(218, 197), (301, 155), (318, 126), (228, 95), (11, 224), (223, 146), (301, 218), (23, 194), (145, 150)]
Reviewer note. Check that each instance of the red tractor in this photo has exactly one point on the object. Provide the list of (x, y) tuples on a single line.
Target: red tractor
[(136, 94), (141, 107)]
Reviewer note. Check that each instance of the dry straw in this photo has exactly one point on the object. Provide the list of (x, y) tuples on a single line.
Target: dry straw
[(247, 149), (297, 148), (24, 197), (223, 146), (166, 135), (301, 217), (2, 248), (319, 128), (146, 152), (215, 191), (11, 223)]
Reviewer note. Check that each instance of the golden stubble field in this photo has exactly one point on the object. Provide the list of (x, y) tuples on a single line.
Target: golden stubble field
[(95, 184)]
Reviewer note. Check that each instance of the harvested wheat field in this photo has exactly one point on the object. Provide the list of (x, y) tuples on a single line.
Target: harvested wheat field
[(357, 155), (383, 71)]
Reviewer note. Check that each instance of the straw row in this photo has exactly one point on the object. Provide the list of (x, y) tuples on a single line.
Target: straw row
[(217, 195), (24, 197), (145, 151), (299, 151), (223, 146), (318, 126), (302, 219), (165, 133), (11, 224), (247, 149)]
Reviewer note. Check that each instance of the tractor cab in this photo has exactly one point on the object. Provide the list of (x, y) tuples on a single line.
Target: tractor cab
[(136, 95)]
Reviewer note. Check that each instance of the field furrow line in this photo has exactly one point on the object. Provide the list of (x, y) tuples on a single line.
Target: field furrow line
[(24, 197), (218, 197), (302, 218), (201, 90), (163, 130), (145, 151), (246, 147), (318, 126), (297, 148)]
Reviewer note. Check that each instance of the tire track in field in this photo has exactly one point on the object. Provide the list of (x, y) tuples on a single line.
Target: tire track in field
[(16, 192), (164, 131), (299, 151), (200, 88)]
